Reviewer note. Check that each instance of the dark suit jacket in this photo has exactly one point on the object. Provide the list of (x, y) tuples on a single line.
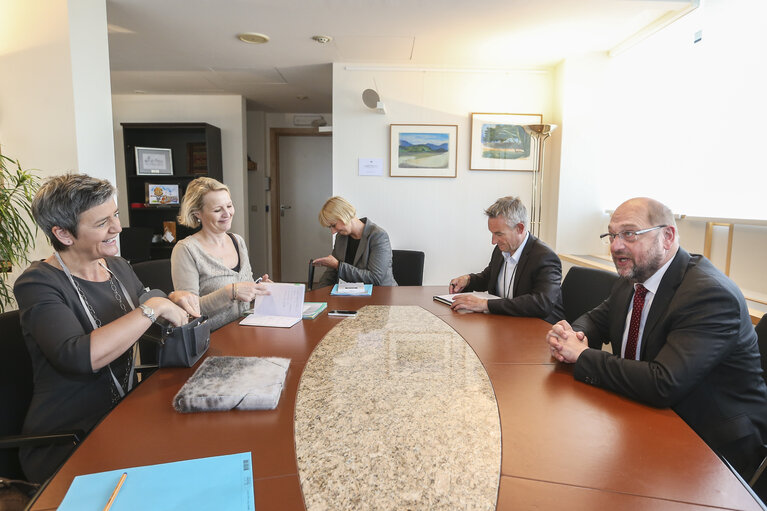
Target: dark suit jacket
[(537, 281), (699, 355), (372, 261)]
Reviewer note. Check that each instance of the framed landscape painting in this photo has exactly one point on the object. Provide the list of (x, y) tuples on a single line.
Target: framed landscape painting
[(499, 142), (423, 150)]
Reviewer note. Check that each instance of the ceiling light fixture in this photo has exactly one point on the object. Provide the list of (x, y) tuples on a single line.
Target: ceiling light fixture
[(253, 38), (322, 39)]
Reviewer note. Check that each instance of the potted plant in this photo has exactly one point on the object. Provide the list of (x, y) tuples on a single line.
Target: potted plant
[(17, 238)]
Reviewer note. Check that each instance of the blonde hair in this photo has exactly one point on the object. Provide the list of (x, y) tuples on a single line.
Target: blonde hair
[(194, 197), (335, 209)]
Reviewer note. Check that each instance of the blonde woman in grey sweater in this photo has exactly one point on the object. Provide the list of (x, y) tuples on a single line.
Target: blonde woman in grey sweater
[(213, 263)]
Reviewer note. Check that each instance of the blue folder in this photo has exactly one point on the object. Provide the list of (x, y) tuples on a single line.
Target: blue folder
[(219, 482), (368, 291)]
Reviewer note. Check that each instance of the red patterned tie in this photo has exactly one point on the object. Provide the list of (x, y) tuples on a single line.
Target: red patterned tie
[(636, 316)]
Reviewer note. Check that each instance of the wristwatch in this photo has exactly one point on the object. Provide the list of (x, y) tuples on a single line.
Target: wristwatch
[(147, 311)]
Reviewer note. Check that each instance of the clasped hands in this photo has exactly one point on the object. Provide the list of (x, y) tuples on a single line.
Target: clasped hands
[(566, 344)]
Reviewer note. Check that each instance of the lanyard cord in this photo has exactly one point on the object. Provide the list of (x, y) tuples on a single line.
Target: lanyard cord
[(511, 281), (119, 387)]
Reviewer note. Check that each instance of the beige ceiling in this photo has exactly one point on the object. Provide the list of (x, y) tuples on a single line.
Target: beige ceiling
[(190, 46)]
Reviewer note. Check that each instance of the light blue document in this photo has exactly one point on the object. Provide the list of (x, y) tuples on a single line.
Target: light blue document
[(340, 292), (219, 482)]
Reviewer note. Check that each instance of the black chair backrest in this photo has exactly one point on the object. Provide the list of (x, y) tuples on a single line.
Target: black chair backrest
[(761, 333), (136, 244), (585, 288), (155, 274), (407, 267), (15, 388)]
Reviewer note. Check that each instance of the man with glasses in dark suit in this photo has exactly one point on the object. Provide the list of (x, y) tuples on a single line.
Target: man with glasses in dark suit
[(681, 336)]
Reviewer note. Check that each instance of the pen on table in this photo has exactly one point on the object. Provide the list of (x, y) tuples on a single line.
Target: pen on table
[(116, 491)]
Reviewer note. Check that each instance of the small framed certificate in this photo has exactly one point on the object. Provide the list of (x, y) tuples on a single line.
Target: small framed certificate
[(153, 161)]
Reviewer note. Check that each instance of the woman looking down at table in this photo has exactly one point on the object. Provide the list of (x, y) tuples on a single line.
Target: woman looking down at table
[(213, 263), (361, 253), (81, 316)]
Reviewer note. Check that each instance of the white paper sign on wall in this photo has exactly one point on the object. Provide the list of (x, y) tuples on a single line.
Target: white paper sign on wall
[(370, 166)]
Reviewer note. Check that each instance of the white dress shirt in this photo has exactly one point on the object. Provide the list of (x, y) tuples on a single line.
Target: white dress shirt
[(651, 285), (506, 274)]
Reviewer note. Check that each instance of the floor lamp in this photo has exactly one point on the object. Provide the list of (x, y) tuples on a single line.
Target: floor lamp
[(539, 132)]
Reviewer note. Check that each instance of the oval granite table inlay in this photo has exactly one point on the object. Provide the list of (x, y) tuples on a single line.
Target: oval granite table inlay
[(395, 411)]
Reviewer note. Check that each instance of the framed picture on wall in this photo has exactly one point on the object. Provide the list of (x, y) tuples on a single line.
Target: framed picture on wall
[(499, 141), (423, 150), (153, 161)]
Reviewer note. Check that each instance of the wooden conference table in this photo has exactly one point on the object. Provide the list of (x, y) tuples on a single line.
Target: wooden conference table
[(565, 444)]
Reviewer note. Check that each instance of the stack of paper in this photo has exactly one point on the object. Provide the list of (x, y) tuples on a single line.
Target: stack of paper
[(313, 309), (220, 482), (283, 307)]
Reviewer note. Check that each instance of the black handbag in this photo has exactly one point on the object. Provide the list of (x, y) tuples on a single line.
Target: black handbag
[(184, 345)]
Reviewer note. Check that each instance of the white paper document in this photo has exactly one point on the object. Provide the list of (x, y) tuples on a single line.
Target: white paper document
[(282, 308), (351, 288), (448, 299)]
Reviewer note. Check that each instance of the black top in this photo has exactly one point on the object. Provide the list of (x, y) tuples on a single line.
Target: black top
[(236, 249), (351, 247), (68, 395)]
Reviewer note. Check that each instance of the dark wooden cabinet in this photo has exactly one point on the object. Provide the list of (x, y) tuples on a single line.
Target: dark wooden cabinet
[(195, 150)]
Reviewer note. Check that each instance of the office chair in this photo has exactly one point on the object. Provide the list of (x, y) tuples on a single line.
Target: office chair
[(15, 395), (585, 288), (136, 244), (407, 267), (155, 274)]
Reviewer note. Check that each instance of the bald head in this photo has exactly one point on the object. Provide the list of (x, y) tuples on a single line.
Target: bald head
[(654, 212)]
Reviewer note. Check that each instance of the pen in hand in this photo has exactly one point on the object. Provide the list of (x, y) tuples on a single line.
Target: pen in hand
[(116, 491)]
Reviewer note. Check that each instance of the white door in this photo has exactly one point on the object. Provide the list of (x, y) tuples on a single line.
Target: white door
[(305, 185)]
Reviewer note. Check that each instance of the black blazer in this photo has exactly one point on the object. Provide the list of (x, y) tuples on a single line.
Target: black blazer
[(699, 355), (537, 281)]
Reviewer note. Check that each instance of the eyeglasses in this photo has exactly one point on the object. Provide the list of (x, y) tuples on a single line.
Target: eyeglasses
[(626, 236)]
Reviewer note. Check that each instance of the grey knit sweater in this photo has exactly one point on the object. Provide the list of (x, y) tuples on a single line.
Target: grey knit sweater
[(195, 270)]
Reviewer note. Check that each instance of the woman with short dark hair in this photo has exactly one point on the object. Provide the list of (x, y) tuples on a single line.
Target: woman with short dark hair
[(81, 315)]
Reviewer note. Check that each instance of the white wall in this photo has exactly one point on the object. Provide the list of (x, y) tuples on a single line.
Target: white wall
[(674, 120), (441, 216), (41, 123), (226, 112), (92, 87)]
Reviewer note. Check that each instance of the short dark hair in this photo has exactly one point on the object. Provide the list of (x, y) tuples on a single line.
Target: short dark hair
[(62, 199), (510, 209)]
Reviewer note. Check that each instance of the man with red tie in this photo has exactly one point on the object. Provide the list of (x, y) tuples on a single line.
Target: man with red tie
[(681, 336)]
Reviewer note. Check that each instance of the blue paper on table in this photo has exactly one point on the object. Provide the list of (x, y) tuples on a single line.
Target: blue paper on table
[(219, 482), (368, 291)]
